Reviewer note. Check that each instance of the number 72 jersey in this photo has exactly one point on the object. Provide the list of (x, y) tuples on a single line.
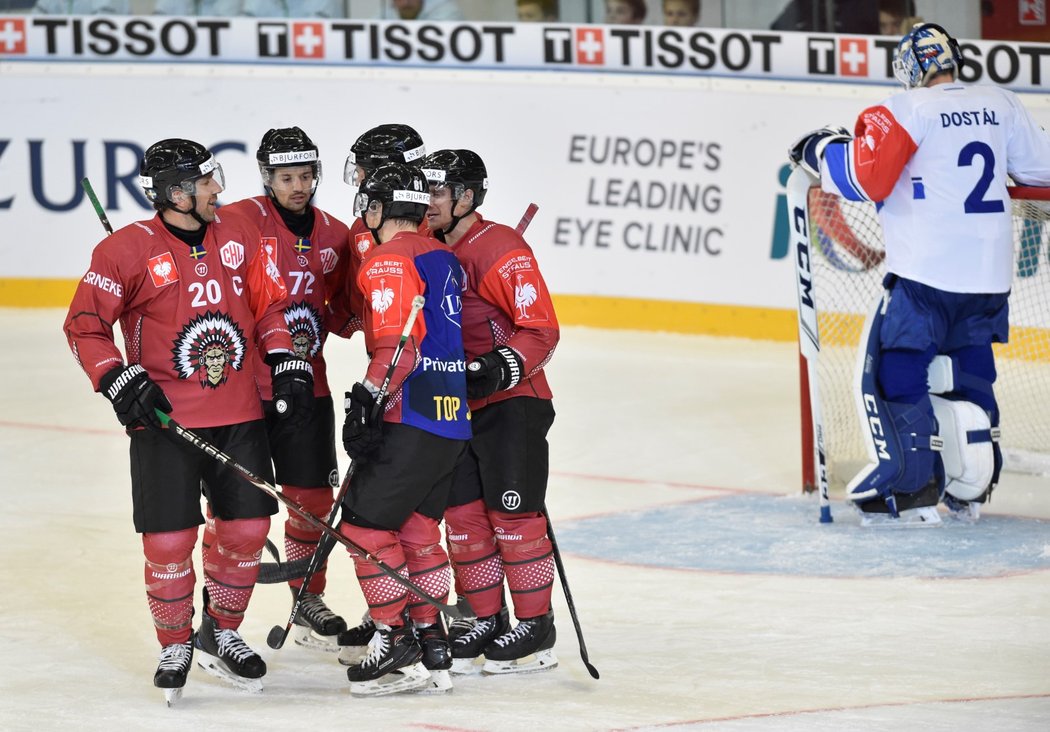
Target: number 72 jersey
[(936, 160)]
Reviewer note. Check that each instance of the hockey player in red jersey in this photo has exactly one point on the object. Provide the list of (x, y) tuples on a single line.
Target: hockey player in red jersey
[(495, 523), (406, 453), (311, 249), (195, 292)]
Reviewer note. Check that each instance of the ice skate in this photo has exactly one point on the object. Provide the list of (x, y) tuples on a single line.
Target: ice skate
[(353, 642), (468, 643), (225, 655), (914, 510), (528, 647), (968, 512), (437, 657), (175, 661), (316, 626), (391, 665)]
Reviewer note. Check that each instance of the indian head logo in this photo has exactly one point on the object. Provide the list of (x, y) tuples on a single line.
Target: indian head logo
[(209, 346), (304, 323)]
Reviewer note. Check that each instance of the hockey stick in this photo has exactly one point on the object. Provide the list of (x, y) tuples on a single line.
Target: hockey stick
[(526, 218), (798, 185), (277, 636), (86, 185), (568, 596), (299, 511)]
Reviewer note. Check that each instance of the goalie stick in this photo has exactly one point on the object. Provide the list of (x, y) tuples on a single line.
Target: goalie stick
[(568, 596), (798, 186), (277, 636)]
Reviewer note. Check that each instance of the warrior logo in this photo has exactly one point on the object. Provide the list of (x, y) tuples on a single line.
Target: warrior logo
[(304, 323), (511, 501), (209, 345)]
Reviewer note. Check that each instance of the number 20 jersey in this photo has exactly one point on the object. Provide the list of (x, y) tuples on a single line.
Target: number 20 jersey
[(937, 159)]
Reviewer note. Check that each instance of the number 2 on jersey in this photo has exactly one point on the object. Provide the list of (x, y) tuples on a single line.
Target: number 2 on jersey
[(975, 202)]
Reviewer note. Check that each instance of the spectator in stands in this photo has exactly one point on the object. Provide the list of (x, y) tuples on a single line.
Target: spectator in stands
[(625, 12), (209, 8), (896, 17), (682, 13), (297, 9), (836, 16), (425, 10), (83, 7), (538, 11)]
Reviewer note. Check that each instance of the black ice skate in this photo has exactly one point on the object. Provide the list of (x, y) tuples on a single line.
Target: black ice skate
[(917, 509), (316, 626), (391, 665), (353, 643), (468, 643), (175, 660), (224, 654), (528, 647), (437, 656)]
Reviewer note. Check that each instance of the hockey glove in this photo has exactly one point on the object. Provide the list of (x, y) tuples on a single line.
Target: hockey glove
[(293, 386), (134, 396), (494, 371), (807, 150), (362, 432)]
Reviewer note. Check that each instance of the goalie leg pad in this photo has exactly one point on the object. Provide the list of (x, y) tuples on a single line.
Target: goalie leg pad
[(975, 384), (969, 460)]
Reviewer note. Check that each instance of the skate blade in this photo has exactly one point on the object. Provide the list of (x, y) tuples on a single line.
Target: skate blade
[(466, 666), (969, 515), (171, 696), (218, 669), (926, 517), (539, 661), (352, 655), (408, 678), (305, 637), (440, 683)]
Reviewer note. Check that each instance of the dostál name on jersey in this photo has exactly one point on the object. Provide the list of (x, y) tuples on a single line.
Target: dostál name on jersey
[(969, 119), (134, 36)]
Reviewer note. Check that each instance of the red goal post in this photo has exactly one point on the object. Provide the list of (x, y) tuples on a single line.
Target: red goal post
[(846, 262)]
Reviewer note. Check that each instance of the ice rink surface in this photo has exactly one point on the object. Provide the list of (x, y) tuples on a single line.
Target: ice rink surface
[(710, 597)]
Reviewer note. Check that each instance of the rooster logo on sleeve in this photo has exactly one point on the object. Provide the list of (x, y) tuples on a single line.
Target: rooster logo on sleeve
[(382, 299), (525, 294)]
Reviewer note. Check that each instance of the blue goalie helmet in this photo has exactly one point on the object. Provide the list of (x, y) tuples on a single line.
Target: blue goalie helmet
[(924, 51)]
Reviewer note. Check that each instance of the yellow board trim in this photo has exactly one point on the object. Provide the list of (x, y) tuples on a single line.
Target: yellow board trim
[(36, 293)]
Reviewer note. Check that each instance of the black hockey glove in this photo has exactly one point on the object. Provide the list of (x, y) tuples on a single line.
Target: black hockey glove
[(293, 386), (134, 396), (494, 371), (362, 432), (807, 150)]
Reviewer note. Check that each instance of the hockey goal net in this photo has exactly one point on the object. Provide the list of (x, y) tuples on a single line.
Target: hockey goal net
[(847, 269)]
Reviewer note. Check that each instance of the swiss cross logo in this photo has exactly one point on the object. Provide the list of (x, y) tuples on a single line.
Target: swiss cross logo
[(328, 259), (12, 36), (1032, 12), (162, 270), (308, 40), (590, 46), (853, 56), (232, 254)]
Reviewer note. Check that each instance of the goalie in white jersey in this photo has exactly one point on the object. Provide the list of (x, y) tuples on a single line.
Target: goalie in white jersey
[(937, 159)]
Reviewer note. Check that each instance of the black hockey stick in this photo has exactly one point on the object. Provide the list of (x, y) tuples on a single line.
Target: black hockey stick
[(277, 636), (86, 185), (219, 455), (568, 596)]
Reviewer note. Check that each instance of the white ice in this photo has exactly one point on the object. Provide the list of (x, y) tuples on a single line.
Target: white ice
[(643, 421)]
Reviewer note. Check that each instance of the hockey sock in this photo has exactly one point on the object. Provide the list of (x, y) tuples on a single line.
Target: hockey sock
[(169, 583), (528, 560), (428, 565), (300, 538), (475, 557), (386, 599), (232, 567)]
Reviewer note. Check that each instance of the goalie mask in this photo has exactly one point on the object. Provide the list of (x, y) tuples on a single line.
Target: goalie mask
[(925, 51), (390, 143), (176, 164), (400, 189), (287, 147)]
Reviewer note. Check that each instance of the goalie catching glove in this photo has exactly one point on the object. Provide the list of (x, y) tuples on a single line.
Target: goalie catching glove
[(494, 371), (363, 427), (134, 396), (807, 150), (293, 386)]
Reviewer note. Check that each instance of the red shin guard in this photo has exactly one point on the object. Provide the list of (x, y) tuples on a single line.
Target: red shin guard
[(428, 566), (300, 538), (169, 583), (528, 560), (475, 557), (386, 598), (232, 567)]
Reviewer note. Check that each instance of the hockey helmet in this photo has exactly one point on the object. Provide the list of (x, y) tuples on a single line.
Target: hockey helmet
[(401, 188), (390, 143), (176, 164), (287, 147), (460, 170), (924, 51)]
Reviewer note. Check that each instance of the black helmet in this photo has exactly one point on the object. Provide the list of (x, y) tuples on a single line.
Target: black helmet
[(462, 170), (175, 163), (384, 144), (401, 188), (287, 147)]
